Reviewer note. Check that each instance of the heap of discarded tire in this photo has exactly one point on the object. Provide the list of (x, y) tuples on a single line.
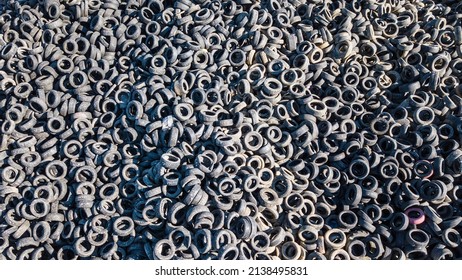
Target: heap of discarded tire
[(207, 129)]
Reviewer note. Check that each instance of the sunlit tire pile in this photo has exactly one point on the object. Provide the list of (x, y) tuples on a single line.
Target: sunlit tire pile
[(195, 129)]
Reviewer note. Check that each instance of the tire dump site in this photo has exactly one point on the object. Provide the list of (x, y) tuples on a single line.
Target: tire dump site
[(208, 129)]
